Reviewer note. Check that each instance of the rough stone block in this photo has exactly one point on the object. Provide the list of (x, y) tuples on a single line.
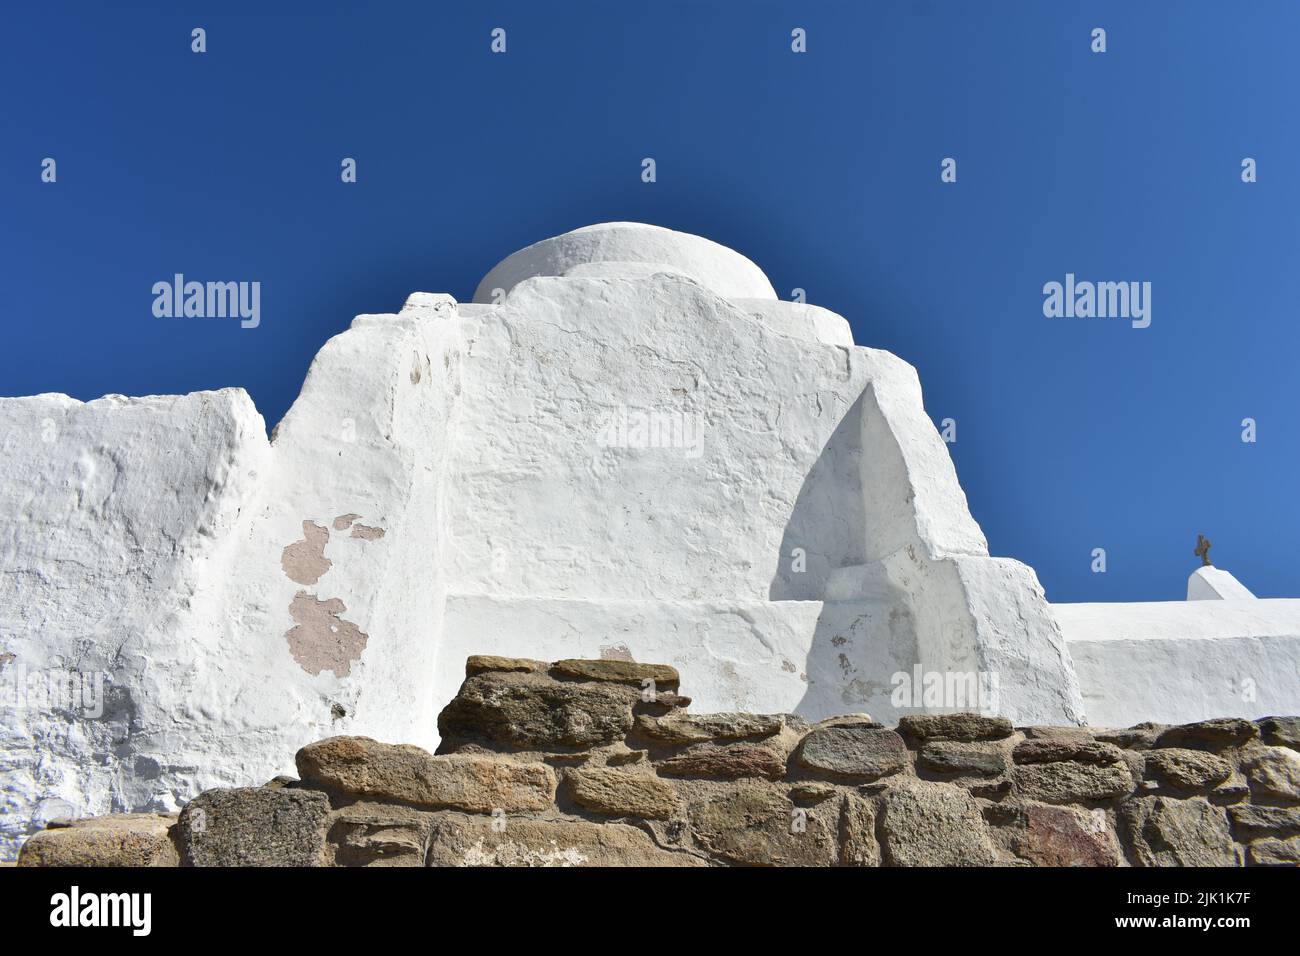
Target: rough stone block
[(1067, 836), (663, 677), (1053, 749), (380, 834), (478, 784), (755, 825), (729, 762), (255, 826), (1280, 731), (1217, 734), (854, 753), (858, 844), (1273, 773), (621, 793), (531, 711), (954, 727), (1251, 821), (1274, 852), (929, 824), (123, 839), (1069, 782), (1163, 831), (682, 728), (484, 663), (460, 840), (1187, 769), (1138, 737), (960, 757)]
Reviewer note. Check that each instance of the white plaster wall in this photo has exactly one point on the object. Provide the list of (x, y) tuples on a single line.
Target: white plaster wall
[(111, 512), (799, 319), (539, 507), (144, 543), (1216, 584), (817, 659), (1180, 661)]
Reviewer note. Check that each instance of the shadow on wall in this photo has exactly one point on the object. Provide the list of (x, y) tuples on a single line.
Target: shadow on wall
[(865, 632), (826, 527)]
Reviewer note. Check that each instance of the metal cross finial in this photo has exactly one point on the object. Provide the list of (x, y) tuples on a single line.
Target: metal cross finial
[(1203, 550)]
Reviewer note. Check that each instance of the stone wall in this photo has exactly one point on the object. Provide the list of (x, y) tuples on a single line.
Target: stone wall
[(600, 763)]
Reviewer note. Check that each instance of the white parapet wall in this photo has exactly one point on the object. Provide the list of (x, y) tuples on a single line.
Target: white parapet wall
[(1179, 661), (1216, 584), (627, 446)]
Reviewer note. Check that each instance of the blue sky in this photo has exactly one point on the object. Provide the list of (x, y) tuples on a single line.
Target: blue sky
[(1072, 434)]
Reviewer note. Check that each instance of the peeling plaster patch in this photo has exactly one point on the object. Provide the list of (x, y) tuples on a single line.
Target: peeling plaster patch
[(615, 652), (342, 522), (322, 640), (367, 533), (304, 561), (7, 657)]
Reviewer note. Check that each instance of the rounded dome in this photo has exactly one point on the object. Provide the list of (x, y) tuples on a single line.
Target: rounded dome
[(631, 249)]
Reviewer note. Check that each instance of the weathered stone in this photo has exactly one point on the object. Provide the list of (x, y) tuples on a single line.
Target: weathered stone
[(460, 840), (1067, 836), (855, 752), (365, 767), (1163, 831), (989, 790), (757, 826), (930, 824), (808, 793), (254, 826), (1139, 737), (954, 727), (1005, 813), (619, 672), (1054, 749), (621, 793), (1215, 734), (959, 757), (858, 845), (1187, 769), (120, 839), (1066, 781), (483, 663), (622, 755), (681, 728), (1274, 772), (665, 702), (1056, 733), (1251, 821), (531, 711), (730, 762), (1274, 852), (380, 834), (1280, 731), (1233, 789), (850, 720)]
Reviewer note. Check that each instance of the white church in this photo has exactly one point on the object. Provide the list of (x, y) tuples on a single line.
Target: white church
[(626, 446)]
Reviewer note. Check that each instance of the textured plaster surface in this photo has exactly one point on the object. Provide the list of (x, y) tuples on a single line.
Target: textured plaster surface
[(633, 451)]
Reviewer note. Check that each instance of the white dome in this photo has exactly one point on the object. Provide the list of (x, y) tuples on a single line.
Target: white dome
[(631, 249)]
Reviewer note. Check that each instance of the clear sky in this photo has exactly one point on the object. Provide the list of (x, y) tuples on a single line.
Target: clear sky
[(823, 167)]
